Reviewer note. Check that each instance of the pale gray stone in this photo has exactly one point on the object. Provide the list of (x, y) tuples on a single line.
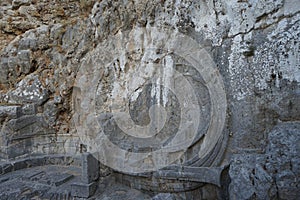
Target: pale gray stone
[(90, 168), (83, 190), (17, 3), (59, 59)]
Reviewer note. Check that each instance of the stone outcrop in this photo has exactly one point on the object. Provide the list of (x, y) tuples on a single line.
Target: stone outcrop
[(180, 99)]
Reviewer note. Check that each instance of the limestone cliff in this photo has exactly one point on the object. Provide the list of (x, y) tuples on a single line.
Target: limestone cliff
[(216, 82)]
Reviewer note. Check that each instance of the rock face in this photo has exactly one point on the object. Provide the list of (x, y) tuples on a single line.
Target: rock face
[(180, 99), (274, 174)]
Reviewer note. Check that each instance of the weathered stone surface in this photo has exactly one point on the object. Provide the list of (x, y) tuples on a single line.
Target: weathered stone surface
[(89, 176), (17, 124), (6, 168), (29, 109), (90, 168), (17, 3), (83, 190), (39, 182), (270, 175), (242, 173), (166, 196), (51, 112), (150, 115), (29, 90), (254, 46), (117, 191), (283, 159), (60, 178), (11, 112), (36, 160)]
